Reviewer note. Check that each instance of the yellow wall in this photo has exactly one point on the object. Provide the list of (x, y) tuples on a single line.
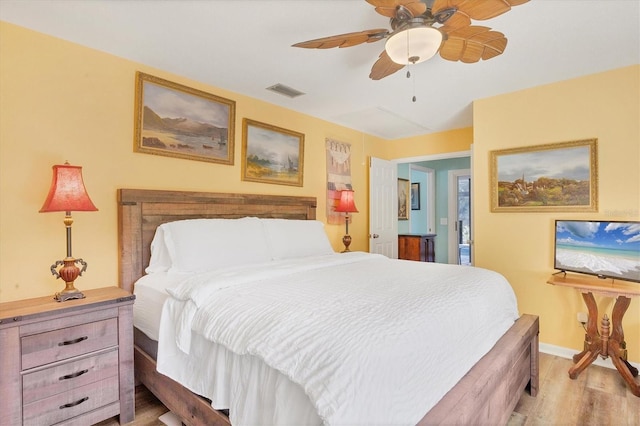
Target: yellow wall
[(605, 106), (457, 140), (61, 101)]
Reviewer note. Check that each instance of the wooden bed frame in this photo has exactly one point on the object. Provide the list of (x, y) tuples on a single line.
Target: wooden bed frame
[(487, 394)]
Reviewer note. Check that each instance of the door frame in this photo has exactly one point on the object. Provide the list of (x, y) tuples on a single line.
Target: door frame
[(443, 156), (452, 187)]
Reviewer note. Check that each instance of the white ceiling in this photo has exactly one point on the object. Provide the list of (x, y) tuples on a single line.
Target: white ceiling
[(244, 46)]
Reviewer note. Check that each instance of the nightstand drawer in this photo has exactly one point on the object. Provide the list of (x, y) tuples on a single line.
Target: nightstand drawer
[(56, 345), (62, 378), (70, 404)]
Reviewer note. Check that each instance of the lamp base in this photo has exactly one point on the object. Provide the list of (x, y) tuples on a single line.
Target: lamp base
[(346, 240), (62, 296), (68, 272)]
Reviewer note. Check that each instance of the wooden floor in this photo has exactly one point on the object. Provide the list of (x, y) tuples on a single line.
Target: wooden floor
[(599, 396)]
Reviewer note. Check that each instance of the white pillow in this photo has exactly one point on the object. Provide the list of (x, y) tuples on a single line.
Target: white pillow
[(296, 238), (198, 245), (160, 260)]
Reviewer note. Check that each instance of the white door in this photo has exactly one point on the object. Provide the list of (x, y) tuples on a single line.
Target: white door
[(383, 207)]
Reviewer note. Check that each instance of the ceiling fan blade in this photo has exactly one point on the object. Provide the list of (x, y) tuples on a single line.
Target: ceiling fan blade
[(457, 20), (383, 67), (345, 40), (388, 8), (478, 10), (417, 8), (472, 43)]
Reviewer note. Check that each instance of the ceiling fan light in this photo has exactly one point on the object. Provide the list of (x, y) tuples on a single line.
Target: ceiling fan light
[(413, 45)]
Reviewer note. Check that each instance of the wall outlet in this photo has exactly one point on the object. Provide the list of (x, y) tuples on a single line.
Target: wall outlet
[(583, 317)]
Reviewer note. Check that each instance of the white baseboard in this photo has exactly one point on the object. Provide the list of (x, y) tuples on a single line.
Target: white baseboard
[(569, 353)]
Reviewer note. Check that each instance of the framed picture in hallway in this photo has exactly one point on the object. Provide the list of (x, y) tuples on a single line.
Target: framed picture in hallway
[(556, 177), (403, 199), (415, 196)]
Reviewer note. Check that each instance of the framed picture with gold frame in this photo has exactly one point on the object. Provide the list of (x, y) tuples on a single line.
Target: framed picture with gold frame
[(404, 195), (179, 121), (556, 177), (271, 154)]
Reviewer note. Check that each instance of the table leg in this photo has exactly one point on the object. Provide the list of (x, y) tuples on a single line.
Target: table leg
[(592, 343), (617, 346), (623, 368)]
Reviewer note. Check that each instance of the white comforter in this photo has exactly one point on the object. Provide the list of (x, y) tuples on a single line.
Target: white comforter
[(370, 340)]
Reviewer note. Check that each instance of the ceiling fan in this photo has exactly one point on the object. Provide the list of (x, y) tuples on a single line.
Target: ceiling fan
[(414, 38)]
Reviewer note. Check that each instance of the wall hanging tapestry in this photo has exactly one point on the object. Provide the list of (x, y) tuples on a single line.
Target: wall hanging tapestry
[(338, 176)]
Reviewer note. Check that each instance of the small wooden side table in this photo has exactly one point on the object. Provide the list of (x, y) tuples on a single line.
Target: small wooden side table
[(601, 342)]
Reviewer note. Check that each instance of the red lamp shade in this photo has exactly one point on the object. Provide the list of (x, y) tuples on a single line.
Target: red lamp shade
[(67, 192), (346, 204)]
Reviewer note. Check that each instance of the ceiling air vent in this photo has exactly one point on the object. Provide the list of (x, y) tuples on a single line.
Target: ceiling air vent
[(285, 90)]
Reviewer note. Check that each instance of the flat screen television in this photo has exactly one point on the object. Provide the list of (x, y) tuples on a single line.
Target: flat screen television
[(606, 249)]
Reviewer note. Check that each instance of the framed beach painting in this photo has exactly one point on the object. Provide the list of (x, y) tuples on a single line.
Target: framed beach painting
[(271, 154), (403, 199), (557, 177), (178, 121)]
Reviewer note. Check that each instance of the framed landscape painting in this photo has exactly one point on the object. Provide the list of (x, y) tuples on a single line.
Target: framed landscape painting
[(271, 154), (178, 121), (551, 177)]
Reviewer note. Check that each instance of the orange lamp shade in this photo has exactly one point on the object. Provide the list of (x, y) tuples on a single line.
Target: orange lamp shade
[(346, 204), (67, 192)]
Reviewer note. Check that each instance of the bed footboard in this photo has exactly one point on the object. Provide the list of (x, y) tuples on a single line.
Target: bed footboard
[(489, 392)]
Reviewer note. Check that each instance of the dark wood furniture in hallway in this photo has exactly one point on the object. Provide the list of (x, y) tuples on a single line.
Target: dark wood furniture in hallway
[(419, 247)]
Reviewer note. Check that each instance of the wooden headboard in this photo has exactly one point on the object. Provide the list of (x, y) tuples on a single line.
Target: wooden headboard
[(141, 211)]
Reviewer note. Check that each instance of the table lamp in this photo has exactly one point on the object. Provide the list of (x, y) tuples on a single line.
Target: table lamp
[(67, 194), (346, 205)]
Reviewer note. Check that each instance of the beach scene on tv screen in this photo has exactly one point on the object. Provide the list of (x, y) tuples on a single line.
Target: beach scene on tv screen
[(610, 249)]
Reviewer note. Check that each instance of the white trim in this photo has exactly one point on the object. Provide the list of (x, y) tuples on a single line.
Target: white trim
[(433, 157), (452, 214), (569, 353), (419, 168)]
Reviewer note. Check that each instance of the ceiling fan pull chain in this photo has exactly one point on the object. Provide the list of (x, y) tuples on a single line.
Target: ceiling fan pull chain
[(414, 89), (413, 99)]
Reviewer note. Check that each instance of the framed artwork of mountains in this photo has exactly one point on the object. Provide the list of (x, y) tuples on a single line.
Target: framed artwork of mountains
[(182, 122)]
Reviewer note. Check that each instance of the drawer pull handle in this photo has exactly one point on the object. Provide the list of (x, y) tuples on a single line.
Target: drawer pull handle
[(73, 375), (73, 342), (73, 404)]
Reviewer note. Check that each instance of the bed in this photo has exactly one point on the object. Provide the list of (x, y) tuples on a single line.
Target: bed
[(486, 393)]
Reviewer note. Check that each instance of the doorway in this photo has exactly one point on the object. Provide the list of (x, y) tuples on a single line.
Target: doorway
[(460, 224), (379, 226)]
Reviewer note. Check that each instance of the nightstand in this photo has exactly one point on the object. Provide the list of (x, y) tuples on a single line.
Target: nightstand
[(69, 361)]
